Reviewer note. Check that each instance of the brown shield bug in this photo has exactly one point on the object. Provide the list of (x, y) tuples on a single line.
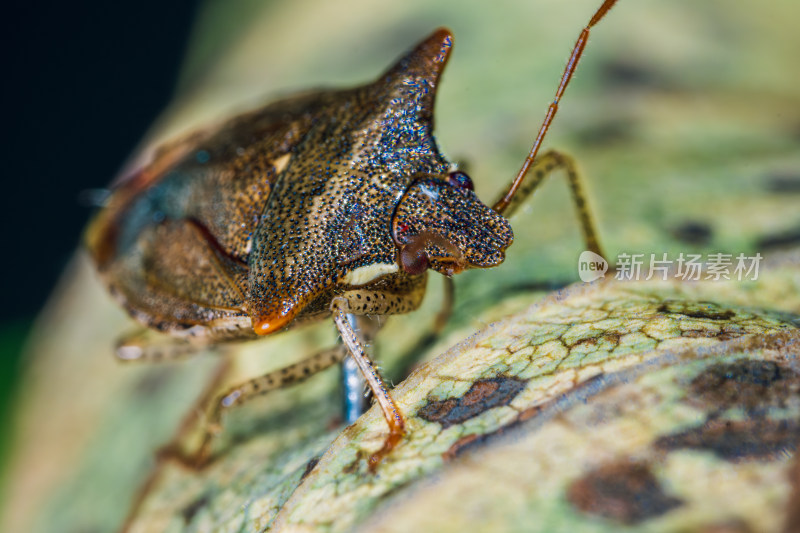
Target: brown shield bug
[(332, 203)]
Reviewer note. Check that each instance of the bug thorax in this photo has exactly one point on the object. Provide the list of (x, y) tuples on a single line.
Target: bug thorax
[(441, 224), (327, 222)]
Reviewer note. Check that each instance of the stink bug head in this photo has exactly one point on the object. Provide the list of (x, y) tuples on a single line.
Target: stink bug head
[(439, 223), (443, 226)]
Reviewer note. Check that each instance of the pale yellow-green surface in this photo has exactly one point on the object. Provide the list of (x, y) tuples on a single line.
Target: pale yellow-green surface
[(707, 114), (642, 343), (520, 482)]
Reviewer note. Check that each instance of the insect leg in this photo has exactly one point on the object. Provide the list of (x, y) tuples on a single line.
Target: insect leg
[(446, 311), (340, 309), (546, 164), (150, 347), (277, 379), (353, 383), (411, 356)]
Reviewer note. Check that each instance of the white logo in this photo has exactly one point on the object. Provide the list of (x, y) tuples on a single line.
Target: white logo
[(591, 266)]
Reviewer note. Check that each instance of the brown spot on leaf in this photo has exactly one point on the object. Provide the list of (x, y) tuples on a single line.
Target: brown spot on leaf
[(632, 75), (463, 444), (699, 333), (783, 182), (309, 467), (352, 466), (693, 232), (607, 132), (589, 341), (758, 438), (734, 525), (745, 383), (484, 394), (724, 334), (193, 508), (611, 338), (706, 310), (623, 491), (785, 238), (474, 440)]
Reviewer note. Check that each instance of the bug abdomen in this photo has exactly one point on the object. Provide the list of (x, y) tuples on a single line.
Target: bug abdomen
[(173, 246)]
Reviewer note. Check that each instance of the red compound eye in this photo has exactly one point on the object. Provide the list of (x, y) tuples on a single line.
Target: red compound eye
[(461, 180)]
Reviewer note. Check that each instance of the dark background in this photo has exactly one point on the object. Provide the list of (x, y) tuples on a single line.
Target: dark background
[(83, 80)]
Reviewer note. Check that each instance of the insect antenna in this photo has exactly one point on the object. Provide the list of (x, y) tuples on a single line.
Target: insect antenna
[(569, 70)]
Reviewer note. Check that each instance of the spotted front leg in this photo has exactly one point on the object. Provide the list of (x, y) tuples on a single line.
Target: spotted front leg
[(394, 418), (400, 295), (394, 296)]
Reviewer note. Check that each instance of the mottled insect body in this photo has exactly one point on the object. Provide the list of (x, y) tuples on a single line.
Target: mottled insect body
[(331, 202), (245, 229)]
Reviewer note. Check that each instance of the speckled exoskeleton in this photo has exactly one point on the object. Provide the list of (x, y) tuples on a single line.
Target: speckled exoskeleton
[(333, 202)]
